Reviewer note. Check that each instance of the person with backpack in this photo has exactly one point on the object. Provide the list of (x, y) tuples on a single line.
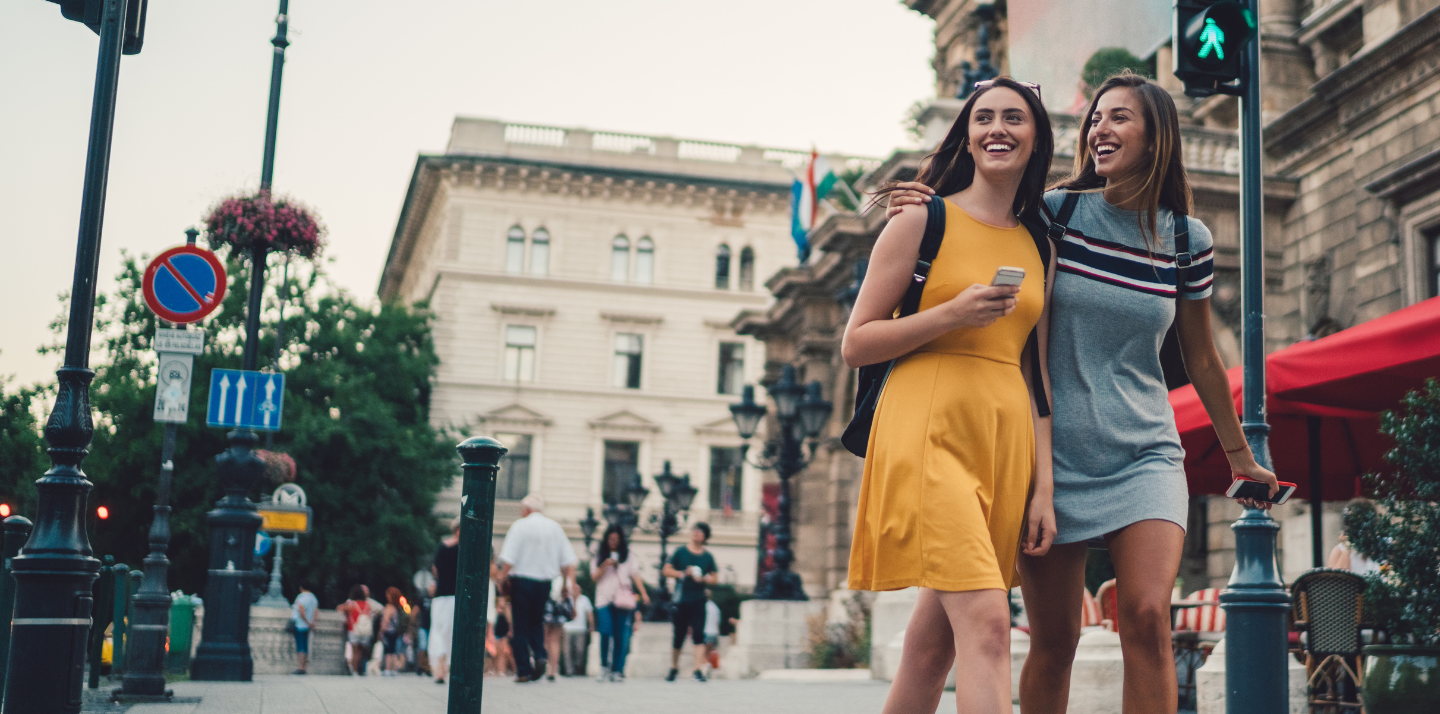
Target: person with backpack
[(360, 614), (1133, 263), (957, 464), (393, 623)]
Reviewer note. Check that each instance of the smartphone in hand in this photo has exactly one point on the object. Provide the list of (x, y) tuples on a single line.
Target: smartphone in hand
[(1006, 275), (1258, 491)]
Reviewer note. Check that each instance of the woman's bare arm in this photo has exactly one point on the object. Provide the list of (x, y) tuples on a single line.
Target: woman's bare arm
[(873, 335), (1207, 373)]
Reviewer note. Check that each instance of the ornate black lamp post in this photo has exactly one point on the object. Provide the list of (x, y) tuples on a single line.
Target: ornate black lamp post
[(587, 528), (224, 651), (678, 494), (55, 570), (626, 513), (985, 16), (801, 413)]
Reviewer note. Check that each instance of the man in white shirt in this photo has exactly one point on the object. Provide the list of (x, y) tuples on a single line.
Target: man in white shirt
[(535, 552)]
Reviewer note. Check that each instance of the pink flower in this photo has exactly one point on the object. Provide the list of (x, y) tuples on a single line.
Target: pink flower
[(246, 222)]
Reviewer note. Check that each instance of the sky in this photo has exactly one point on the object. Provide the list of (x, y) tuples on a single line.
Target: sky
[(368, 85)]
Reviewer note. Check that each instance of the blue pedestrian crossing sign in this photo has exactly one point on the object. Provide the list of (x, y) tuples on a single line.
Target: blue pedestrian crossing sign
[(246, 400)]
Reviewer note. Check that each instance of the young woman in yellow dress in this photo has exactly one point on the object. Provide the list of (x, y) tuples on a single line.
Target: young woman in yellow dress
[(958, 469)]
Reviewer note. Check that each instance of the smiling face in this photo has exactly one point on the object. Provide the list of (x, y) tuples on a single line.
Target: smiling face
[(1118, 140), (613, 540), (1002, 133)]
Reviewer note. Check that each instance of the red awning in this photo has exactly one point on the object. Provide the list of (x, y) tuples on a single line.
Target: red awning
[(1349, 443), (1368, 367)]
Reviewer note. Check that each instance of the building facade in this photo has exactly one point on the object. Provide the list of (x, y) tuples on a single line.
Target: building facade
[(583, 285)]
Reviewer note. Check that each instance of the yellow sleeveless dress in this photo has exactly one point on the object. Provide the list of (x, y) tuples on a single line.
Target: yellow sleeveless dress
[(952, 448)]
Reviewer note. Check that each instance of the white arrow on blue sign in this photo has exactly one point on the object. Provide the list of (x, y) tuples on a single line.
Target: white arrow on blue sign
[(246, 400)]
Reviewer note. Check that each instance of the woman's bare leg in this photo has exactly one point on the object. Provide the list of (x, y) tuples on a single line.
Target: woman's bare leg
[(1052, 585), (970, 630), (1147, 559)]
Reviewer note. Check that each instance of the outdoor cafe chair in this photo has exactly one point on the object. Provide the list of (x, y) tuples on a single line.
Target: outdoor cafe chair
[(1196, 630), (1328, 607)]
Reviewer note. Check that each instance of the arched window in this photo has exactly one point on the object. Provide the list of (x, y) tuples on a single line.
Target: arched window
[(722, 267), (645, 261), (515, 250), (620, 259), (747, 268), (540, 252)]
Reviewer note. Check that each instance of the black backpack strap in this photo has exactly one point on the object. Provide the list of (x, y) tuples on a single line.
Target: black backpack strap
[(1061, 221), (1183, 259), (929, 248)]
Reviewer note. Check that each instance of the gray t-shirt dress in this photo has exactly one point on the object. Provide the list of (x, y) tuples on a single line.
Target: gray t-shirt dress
[(1118, 458)]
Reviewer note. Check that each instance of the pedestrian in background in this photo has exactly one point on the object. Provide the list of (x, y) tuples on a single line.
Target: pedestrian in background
[(559, 609), (577, 636), (535, 552), (391, 627), (503, 663), (695, 567), (442, 602), (360, 613), (712, 631), (303, 612), (617, 580)]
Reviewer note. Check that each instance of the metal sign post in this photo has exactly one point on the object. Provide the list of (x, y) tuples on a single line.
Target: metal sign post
[(285, 512), (145, 656)]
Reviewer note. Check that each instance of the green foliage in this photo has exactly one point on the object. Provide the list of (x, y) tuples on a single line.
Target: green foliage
[(1402, 531), (356, 422), (844, 645), (1110, 61), (22, 450)]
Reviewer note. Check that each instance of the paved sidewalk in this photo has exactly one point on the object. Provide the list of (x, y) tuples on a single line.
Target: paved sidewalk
[(406, 694)]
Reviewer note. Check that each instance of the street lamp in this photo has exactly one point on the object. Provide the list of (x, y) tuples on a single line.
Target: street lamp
[(802, 413), (55, 570), (679, 494), (588, 526), (626, 513)]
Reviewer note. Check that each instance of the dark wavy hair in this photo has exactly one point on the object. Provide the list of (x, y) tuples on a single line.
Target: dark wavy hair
[(1166, 183), (622, 553), (951, 168)]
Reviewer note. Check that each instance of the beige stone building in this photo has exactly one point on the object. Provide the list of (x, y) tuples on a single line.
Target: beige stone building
[(583, 284)]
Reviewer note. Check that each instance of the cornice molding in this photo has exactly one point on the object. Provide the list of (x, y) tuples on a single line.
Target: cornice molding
[(1402, 184), (526, 310), (632, 318), (739, 298)]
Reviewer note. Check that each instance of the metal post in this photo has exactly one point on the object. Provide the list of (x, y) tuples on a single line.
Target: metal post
[(17, 531), (1255, 601), (274, 595), (120, 636), (1317, 502), (224, 652), (104, 592), (55, 570), (145, 666), (782, 583), (472, 577)]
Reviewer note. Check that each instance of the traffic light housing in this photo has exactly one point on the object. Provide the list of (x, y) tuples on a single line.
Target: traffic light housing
[(91, 13), (1210, 37)]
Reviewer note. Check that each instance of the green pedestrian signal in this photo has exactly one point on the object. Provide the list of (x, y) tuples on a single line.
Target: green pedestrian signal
[(1210, 37)]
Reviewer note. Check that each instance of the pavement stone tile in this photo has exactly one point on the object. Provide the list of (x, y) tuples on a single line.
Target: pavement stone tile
[(408, 694)]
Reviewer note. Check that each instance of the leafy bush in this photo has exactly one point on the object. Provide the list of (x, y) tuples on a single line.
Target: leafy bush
[(1110, 61), (1402, 531), (842, 645)]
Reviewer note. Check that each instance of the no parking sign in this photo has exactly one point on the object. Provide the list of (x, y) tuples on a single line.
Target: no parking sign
[(184, 284)]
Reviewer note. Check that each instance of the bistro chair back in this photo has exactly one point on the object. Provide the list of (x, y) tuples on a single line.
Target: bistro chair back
[(1205, 618), (1089, 610), (1328, 607), (1109, 600)]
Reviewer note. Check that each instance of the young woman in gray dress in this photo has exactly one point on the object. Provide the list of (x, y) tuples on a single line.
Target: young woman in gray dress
[(1118, 464)]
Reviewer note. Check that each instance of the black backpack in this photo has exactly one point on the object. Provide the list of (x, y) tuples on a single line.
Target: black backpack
[(871, 380)]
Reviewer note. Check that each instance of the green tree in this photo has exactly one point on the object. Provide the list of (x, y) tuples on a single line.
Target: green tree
[(1402, 531), (22, 450), (1110, 61), (356, 422)]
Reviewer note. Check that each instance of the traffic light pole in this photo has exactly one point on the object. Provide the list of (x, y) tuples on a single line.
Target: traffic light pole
[(1255, 601), (55, 570), (224, 651)]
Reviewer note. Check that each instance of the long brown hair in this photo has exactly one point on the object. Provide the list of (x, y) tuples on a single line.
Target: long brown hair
[(1166, 184), (951, 168)]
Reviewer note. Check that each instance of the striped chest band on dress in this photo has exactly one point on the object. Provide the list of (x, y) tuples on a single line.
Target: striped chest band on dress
[(1121, 265)]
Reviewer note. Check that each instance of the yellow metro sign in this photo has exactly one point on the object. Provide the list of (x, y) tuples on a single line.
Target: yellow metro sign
[(284, 520)]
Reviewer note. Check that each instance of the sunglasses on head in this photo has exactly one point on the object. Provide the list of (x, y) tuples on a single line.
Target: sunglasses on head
[(983, 84)]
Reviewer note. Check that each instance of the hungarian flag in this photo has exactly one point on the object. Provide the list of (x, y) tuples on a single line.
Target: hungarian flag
[(810, 187)]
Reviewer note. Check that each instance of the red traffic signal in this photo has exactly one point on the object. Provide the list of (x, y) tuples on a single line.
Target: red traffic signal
[(102, 513), (4, 510)]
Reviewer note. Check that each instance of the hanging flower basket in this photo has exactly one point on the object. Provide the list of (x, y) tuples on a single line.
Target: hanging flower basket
[(281, 225), (279, 466)]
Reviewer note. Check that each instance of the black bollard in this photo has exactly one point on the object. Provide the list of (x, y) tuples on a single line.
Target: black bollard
[(17, 531), (104, 592), (224, 651), (472, 576)]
